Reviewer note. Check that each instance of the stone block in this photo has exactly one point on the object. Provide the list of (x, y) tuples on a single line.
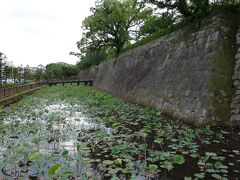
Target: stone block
[(236, 77), (238, 38), (236, 82), (237, 56), (237, 98), (237, 61), (235, 117), (237, 92), (214, 36), (236, 69), (235, 111), (233, 105)]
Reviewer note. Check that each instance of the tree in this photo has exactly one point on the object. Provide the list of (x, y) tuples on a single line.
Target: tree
[(16, 74), (226, 2), (156, 22), (93, 58), (193, 8), (7, 72), (39, 72), (111, 24), (20, 72), (26, 74), (58, 70), (54, 70), (184, 7), (69, 70)]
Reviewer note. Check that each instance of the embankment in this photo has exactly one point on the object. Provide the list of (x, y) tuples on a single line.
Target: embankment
[(187, 74)]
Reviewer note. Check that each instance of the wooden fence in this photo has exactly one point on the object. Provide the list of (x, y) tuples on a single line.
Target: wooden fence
[(64, 79), (6, 92)]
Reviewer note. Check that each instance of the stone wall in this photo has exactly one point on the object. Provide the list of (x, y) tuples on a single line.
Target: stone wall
[(235, 106), (89, 74), (186, 74)]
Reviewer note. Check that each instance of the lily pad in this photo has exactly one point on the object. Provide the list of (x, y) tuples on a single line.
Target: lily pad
[(54, 170), (199, 175), (178, 159), (107, 162), (118, 162), (34, 155), (153, 168)]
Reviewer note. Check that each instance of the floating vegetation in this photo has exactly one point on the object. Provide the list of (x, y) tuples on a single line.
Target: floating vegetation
[(71, 132)]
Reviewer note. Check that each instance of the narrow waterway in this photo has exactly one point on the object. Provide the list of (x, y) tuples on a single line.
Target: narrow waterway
[(76, 132)]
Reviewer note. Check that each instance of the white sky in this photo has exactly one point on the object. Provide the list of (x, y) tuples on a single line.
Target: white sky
[(41, 31)]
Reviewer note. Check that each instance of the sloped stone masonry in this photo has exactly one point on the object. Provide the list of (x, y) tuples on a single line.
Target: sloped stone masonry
[(186, 74), (235, 106)]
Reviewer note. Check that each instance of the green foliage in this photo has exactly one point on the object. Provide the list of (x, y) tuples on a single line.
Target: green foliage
[(118, 162), (226, 2), (54, 170), (110, 23), (157, 34), (34, 155), (178, 159), (226, 7), (123, 150), (153, 168), (7, 71), (156, 22), (57, 70), (114, 25), (39, 74), (183, 23), (91, 58), (84, 132), (184, 7), (16, 74), (199, 175), (194, 8)]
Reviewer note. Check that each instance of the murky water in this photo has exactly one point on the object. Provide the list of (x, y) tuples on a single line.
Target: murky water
[(51, 129), (44, 139)]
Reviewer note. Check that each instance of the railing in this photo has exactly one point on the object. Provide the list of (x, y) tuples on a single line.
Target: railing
[(71, 80), (6, 92), (63, 79)]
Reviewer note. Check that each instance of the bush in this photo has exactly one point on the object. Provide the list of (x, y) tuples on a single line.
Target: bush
[(91, 58)]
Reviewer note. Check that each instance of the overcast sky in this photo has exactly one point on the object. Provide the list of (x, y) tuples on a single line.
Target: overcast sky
[(41, 31)]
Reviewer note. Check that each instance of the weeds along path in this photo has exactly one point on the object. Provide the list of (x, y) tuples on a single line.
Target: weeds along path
[(77, 132)]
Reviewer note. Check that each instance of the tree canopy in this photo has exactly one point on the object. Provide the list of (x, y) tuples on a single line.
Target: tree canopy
[(156, 22), (112, 24), (57, 70), (191, 8), (91, 58), (185, 7)]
